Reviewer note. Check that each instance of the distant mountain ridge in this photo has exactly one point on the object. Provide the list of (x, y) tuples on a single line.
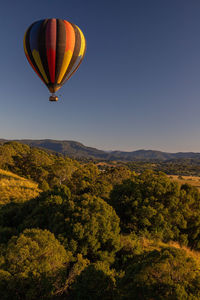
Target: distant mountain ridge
[(78, 150)]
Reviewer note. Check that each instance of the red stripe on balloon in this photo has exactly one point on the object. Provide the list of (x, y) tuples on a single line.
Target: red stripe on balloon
[(51, 47)]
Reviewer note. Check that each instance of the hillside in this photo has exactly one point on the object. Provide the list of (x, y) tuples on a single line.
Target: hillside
[(69, 148), (15, 188), (90, 231), (78, 150)]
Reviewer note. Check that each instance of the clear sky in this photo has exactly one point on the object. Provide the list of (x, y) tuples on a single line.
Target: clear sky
[(137, 88)]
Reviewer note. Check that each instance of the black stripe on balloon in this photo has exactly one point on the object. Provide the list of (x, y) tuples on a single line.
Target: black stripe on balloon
[(60, 46), (42, 47), (75, 53), (27, 42), (67, 78)]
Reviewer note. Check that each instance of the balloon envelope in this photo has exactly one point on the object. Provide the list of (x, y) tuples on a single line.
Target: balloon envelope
[(55, 49)]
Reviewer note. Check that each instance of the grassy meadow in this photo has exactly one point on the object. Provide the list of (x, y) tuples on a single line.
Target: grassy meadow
[(15, 188)]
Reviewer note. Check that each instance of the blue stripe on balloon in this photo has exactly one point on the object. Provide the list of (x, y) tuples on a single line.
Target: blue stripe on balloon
[(34, 35)]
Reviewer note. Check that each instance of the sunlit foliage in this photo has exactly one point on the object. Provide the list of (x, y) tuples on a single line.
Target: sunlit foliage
[(72, 230)]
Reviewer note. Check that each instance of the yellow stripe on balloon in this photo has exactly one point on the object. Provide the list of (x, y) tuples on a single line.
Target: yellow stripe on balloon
[(82, 49), (65, 64), (25, 50), (38, 61)]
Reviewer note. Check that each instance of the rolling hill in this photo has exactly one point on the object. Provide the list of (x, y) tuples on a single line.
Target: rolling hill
[(78, 150)]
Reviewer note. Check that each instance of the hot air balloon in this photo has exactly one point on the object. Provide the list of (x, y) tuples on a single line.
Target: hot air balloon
[(55, 49)]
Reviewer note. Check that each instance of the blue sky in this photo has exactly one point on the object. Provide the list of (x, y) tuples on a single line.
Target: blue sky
[(137, 88)]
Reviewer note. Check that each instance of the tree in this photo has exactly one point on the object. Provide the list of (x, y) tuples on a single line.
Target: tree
[(84, 224), (33, 261), (153, 204), (168, 273), (97, 281)]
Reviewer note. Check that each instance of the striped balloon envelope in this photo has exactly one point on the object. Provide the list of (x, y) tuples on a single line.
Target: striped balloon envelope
[(55, 49)]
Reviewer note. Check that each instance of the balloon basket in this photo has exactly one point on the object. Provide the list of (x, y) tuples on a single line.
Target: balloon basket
[(53, 98)]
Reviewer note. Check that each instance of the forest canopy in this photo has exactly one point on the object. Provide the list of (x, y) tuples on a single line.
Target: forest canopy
[(87, 232)]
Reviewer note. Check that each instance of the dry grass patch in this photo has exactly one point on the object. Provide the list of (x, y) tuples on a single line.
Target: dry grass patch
[(14, 188), (192, 180)]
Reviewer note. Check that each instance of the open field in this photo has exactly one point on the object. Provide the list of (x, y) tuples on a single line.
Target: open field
[(193, 180), (15, 188)]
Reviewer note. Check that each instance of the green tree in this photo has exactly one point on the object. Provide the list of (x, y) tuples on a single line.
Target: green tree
[(85, 224), (97, 281), (153, 204), (8, 151), (32, 263), (166, 274)]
